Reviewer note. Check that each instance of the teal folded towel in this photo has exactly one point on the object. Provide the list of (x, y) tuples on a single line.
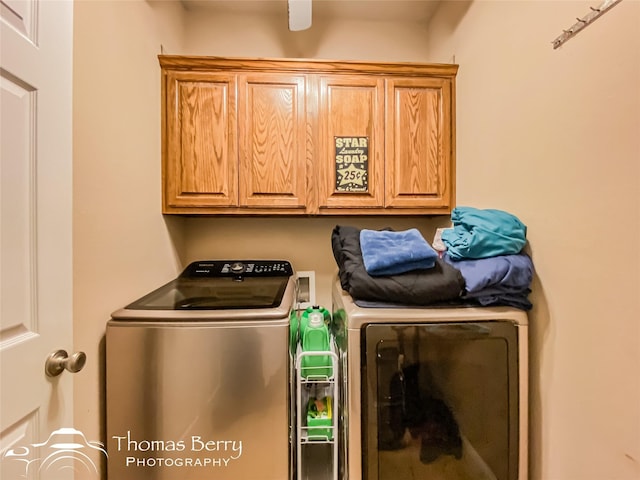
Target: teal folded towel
[(486, 233), (387, 252)]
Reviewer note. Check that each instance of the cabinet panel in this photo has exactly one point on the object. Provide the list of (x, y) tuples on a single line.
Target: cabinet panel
[(351, 142), (201, 154), (272, 132), (418, 142)]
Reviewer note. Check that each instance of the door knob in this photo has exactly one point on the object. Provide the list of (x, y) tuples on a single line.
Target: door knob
[(59, 361)]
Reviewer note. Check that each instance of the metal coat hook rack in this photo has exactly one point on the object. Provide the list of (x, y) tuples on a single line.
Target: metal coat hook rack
[(584, 21)]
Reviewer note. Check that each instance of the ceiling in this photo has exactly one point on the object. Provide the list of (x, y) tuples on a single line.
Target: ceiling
[(419, 11)]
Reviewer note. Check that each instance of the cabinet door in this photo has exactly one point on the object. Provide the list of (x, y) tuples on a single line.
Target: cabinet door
[(351, 141), (272, 133), (200, 157), (418, 143)]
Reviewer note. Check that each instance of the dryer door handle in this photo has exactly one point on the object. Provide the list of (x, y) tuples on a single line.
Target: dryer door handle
[(466, 330)]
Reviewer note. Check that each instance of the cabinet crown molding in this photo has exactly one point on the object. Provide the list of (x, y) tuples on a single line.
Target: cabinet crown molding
[(305, 65)]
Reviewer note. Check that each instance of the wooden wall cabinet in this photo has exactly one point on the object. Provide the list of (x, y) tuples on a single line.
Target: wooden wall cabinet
[(234, 141), (306, 137)]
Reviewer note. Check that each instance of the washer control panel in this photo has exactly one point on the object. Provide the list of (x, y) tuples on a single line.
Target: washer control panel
[(235, 268)]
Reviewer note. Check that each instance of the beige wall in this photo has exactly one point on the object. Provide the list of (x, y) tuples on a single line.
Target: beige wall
[(551, 136), (268, 36), (122, 245), (554, 136)]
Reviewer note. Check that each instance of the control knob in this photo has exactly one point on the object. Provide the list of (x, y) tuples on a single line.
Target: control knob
[(237, 268)]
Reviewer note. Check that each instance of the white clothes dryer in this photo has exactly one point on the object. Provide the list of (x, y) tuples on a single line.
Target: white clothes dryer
[(432, 392)]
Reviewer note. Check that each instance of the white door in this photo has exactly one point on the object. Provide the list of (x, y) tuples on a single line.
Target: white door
[(35, 233)]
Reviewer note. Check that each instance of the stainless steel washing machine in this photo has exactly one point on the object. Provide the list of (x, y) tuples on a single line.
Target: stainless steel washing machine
[(438, 392), (198, 376)]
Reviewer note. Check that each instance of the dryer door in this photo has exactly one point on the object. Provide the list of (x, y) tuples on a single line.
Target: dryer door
[(441, 401)]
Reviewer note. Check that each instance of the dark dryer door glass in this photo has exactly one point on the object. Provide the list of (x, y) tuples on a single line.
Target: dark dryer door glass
[(441, 401)]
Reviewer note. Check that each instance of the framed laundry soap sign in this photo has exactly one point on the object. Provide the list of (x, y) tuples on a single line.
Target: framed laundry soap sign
[(352, 164)]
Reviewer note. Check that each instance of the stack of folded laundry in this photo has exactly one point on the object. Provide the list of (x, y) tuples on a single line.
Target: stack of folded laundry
[(380, 267), (486, 246)]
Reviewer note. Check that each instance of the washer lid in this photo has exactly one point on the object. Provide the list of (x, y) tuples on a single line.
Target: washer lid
[(219, 285)]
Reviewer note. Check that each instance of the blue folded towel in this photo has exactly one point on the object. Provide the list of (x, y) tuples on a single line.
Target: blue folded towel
[(386, 252)]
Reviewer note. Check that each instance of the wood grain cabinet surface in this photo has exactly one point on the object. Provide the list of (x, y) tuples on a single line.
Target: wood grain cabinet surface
[(306, 137)]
